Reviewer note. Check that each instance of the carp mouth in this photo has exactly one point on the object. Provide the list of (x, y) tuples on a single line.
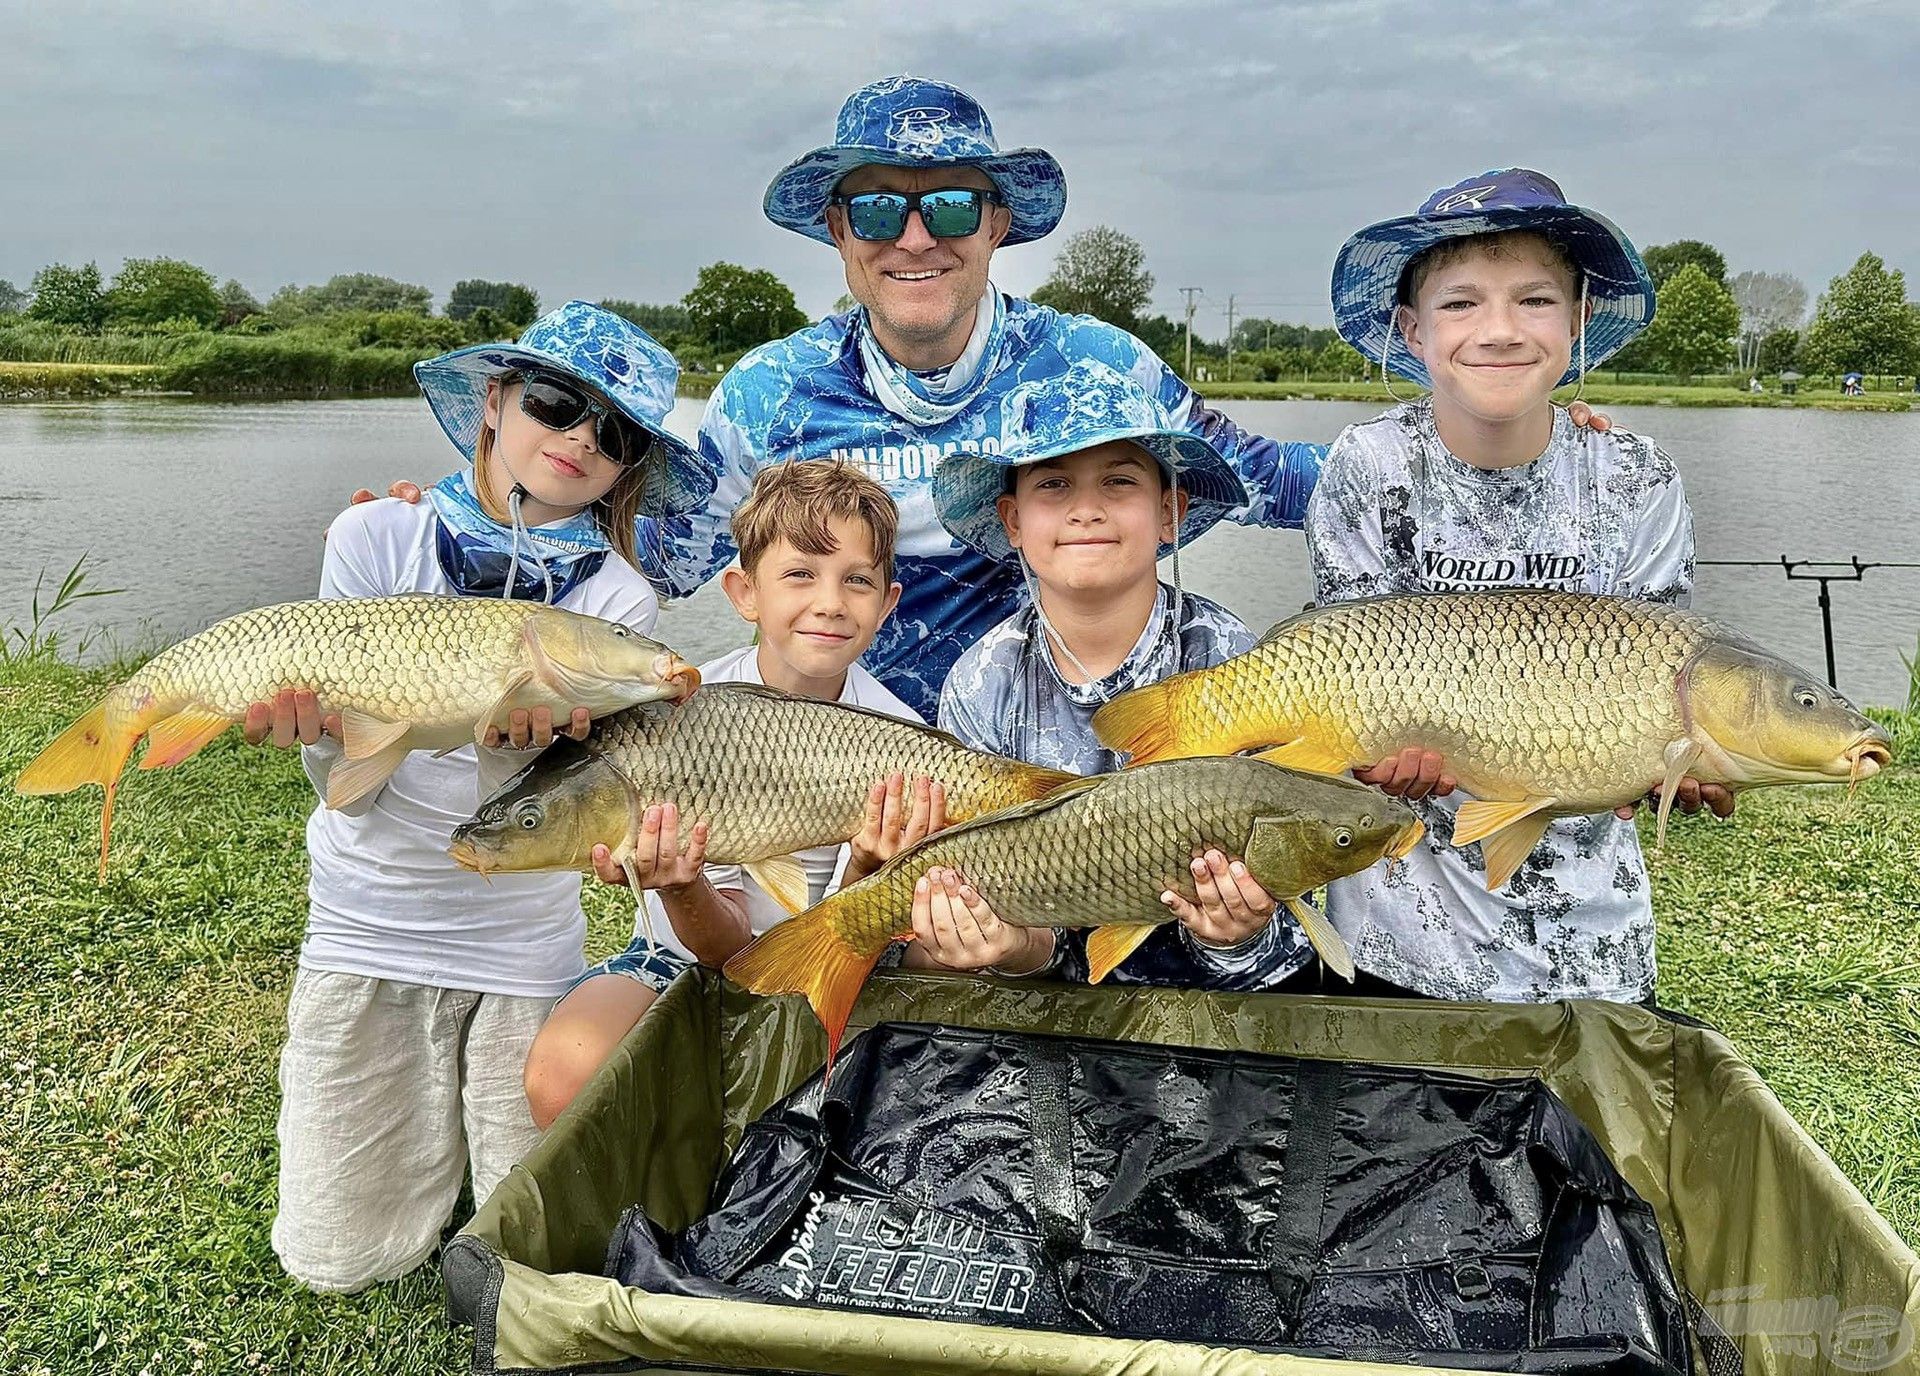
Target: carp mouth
[(1867, 757), (1408, 839), (680, 677), (467, 855)]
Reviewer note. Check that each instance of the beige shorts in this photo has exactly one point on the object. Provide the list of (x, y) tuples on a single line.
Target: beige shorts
[(389, 1092)]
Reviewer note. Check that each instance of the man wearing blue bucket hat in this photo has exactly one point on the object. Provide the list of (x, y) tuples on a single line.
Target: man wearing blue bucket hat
[(1495, 292), (916, 194)]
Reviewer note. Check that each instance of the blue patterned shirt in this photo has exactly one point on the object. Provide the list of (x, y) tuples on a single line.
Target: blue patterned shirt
[(807, 397)]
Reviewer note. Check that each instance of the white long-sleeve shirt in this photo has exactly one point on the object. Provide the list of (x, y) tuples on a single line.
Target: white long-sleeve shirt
[(1396, 512), (386, 899)]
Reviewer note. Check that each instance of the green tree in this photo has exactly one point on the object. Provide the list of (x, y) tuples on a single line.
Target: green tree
[(236, 303), (1664, 261), (731, 307), (1341, 360), (1162, 335), (350, 291), (150, 291), (69, 296), (658, 321), (1696, 323), (1779, 351), (1863, 322), (1100, 272), (12, 300), (510, 300)]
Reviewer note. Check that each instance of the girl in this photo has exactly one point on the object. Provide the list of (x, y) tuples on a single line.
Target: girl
[(421, 986)]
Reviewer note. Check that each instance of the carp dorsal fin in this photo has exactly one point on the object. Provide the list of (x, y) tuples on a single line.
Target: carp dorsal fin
[(1303, 754), (1507, 831)]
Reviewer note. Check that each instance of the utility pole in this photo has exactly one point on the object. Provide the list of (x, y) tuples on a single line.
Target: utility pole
[(1230, 338), (1190, 292)]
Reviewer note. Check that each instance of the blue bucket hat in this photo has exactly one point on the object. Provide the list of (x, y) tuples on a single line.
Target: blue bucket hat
[(1369, 274), (607, 352), (903, 121), (1047, 418)]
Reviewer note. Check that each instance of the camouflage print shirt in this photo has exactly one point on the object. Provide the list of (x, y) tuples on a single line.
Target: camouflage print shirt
[(1395, 512)]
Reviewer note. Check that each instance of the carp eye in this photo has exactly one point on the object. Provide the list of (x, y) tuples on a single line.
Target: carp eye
[(621, 631), (528, 815), (1806, 697), (1343, 838)]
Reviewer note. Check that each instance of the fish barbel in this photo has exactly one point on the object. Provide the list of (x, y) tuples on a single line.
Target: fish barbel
[(1543, 704), (404, 673), (769, 773), (1097, 853)]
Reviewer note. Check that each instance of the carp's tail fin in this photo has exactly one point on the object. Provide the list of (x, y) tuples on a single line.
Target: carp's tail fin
[(94, 750), (805, 955)]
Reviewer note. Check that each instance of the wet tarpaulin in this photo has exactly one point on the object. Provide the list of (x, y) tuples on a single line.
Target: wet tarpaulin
[(1310, 1206)]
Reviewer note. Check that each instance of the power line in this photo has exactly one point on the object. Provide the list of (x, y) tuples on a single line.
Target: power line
[(1190, 292)]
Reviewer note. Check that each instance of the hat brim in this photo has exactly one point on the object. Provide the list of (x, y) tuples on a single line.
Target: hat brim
[(967, 487), (1367, 273), (456, 388), (1032, 183)]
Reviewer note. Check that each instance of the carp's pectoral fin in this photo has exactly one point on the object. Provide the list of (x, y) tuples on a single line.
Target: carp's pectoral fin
[(1108, 946), (1680, 757), (783, 879), (1303, 754), (1327, 943), (351, 780), (182, 736), (514, 693), (1507, 832), (363, 735)]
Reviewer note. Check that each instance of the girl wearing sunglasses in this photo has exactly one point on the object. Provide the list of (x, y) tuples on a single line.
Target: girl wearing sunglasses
[(420, 985)]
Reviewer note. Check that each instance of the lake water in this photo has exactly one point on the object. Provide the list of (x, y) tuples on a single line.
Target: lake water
[(199, 510)]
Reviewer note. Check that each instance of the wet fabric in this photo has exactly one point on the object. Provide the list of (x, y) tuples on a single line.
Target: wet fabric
[(1321, 1207)]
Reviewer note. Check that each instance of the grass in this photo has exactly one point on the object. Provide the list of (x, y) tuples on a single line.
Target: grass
[(41, 381), (1600, 393), (144, 1018)]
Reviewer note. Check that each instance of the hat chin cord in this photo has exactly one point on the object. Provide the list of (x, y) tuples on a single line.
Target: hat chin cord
[(514, 499)]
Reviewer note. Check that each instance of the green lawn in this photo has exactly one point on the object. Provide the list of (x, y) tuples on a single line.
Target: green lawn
[(137, 1089)]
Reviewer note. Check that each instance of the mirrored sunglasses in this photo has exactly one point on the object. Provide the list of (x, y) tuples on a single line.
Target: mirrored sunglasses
[(950, 213)]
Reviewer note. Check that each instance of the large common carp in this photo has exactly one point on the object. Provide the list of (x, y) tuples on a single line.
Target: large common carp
[(404, 673), (1098, 853), (1544, 704), (768, 772)]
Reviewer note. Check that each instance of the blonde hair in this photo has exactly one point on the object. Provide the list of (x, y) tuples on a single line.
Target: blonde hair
[(1502, 243), (616, 509), (795, 501)]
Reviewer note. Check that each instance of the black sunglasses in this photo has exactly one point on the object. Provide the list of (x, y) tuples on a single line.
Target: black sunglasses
[(559, 405), (950, 213)]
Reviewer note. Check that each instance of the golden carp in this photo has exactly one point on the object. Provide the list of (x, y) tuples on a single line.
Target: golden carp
[(769, 773), (1098, 853), (404, 673), (1544, 704)]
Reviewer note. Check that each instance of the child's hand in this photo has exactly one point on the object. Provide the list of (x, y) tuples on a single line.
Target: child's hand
[(1413, 773), (533, 729), (955, 929), (1232, 904), (894, 822), (1689, 796), (657, 860), (1578, 412), (292, 718)]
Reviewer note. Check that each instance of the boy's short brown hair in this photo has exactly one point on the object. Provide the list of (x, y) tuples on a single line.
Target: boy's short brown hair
[(1498, 244), (794, 501)]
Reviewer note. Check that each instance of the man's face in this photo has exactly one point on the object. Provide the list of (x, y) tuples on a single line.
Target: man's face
[(920, 290)]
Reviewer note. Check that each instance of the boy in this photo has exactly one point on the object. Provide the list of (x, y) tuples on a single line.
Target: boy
[(1092, 484), (1494, 294), (816, 545)]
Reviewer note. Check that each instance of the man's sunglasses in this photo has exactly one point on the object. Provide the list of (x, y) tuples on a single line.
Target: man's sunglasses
[(559, 405), (951, 213)]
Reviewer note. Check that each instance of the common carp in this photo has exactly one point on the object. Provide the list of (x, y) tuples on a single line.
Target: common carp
[(768, 772), (1544, 704), (1098, 853), (404, 673)]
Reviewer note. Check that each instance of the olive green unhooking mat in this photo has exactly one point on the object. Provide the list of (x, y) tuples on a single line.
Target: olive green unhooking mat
[(1785, 1255)]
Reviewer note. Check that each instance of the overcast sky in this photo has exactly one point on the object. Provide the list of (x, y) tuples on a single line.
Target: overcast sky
[(610, 149)]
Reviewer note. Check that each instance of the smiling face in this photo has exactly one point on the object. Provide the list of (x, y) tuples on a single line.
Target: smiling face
[(1091, 521), (817, 613), (1494, 322), (919, 291), (563, 471)]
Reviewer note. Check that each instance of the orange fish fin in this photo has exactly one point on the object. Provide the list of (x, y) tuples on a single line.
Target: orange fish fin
[(182, 736), (1506, 847), (1327, 943), (784, 880), (1108, 946), (804, 955), (1477, 819), (351, 780), (1037, 781), (91, 751), (1140, 724), (363, 735), (1306, 755)]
